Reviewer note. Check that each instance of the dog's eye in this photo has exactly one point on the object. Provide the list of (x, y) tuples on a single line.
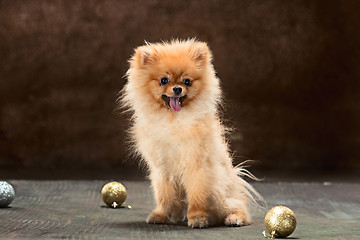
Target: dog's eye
[(187, 82), (164, 80)]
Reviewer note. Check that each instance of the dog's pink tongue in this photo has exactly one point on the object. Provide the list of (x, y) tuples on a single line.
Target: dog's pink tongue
[(175, 103)]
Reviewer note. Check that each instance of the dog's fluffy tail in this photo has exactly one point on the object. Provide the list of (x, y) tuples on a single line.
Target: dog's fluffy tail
[(254, 197)]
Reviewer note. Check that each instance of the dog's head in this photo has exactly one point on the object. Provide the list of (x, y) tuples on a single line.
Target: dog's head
[(171, 74)]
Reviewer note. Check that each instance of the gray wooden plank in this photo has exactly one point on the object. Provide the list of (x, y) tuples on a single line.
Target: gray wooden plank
[(74, 210)]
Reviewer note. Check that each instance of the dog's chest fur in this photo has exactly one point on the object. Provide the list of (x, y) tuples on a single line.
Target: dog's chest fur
[(172, 143)]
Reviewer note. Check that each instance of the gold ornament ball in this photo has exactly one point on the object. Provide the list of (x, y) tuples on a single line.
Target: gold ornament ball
[(280, 221), (113, 194)]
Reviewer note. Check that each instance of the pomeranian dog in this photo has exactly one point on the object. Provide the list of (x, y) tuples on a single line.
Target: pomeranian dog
[(174, 95)]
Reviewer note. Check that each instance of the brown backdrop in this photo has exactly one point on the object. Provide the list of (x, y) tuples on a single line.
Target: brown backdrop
[(289, 70)]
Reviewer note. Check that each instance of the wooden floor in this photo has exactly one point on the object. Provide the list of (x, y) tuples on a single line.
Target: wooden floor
[(74, 210)]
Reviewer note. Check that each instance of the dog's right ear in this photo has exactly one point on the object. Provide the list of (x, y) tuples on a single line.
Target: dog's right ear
[(200, 53), (144, 56)]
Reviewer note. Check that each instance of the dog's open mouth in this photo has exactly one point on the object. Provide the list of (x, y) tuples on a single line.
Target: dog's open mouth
[(173, 102)]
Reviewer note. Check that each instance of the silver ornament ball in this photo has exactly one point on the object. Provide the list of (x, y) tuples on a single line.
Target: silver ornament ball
[(7, 194)]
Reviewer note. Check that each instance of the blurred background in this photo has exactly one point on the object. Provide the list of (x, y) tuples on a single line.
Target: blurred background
[(289, 71)]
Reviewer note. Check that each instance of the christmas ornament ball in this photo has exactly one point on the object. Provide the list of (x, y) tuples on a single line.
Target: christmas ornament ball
[(280, 221), (113, 194), (7, 194)]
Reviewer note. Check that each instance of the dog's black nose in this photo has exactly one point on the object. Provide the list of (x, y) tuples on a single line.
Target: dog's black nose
[(177, 90)]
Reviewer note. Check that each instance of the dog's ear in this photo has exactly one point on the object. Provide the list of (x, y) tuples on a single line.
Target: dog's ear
[(144, 56), (200, 53)]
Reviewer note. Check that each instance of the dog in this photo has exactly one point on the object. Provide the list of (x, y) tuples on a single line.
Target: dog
[(174, 96)]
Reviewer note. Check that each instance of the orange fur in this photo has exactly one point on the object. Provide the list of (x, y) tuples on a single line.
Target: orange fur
[(190, 167)]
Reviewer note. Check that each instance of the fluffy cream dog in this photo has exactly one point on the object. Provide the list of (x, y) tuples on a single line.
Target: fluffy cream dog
[(174, 95)]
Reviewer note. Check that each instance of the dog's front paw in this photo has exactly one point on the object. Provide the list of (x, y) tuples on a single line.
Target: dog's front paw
[(156, 217), (237, 219), (199, 220)]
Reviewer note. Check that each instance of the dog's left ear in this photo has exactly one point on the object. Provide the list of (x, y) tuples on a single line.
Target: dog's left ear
[(144, 56), (200, 53)]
